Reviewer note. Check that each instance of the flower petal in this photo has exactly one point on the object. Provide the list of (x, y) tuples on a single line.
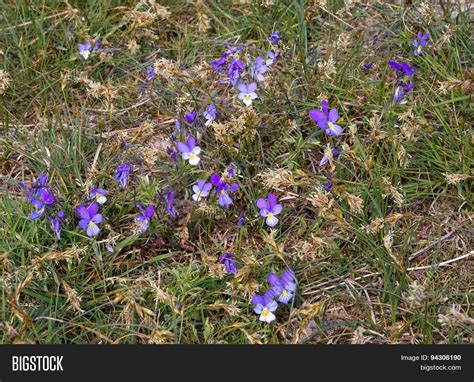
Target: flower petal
[(271, 221), (277, 208), (191, 143), (273, 279), (333, 115), (319, 117), (83, 223), (82, 212), (92, 209), (182, 147), (97, 219), (258, 300), (335, 130), (272, 200), (194, 160), (92, 230), (262, 204), (325, 107), (215, 179), (251, 87)]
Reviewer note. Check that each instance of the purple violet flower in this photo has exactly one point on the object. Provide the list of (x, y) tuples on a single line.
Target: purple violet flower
[(283, 287), (189, 151), (223, 188), (265, 306), (190, 117), (328, 186), (326, 119), (36, 189), (367, 66), (247, 92), (144, 217), (122, 173), (325, 160), (97, 46), (272, 57), (43, 200), (201, 190), (401, 91), (228, 260), (402, 68), (274, 38), (56, 224), (210, 114), (269, 209), (242, 219), (89, 219), (420, 42), (220, 63), (173, 154), (150, 73), (236, 67), (84, 49), (259, 69), (169, 203), (98, 195)]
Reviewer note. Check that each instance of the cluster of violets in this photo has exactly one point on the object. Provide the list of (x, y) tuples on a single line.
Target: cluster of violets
[(229, 62), (43, 201), (326, 120), (244, 77), (404, 71), (282, 290)]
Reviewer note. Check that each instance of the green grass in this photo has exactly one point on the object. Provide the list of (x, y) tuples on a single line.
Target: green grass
[(166, 286)]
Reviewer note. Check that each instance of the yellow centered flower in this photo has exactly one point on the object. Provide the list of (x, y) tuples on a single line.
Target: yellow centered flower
[(330, 125), (191, 156), (91, 224), (222, 192), (247, 97), (419, 49), (265, 312), (285, 293), (270, 215)]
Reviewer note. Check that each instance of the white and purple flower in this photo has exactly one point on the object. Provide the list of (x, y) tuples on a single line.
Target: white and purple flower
[(259, 69), (201, 190), (210, 114), (189, 151), (269, 208), (84, 49), (224, 187), (326, 119), (284, 287), (247, 92), (99, 195), (144, 217), (401, 91), (271, 58), (265, 306), (420, 42), (90, 219)]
